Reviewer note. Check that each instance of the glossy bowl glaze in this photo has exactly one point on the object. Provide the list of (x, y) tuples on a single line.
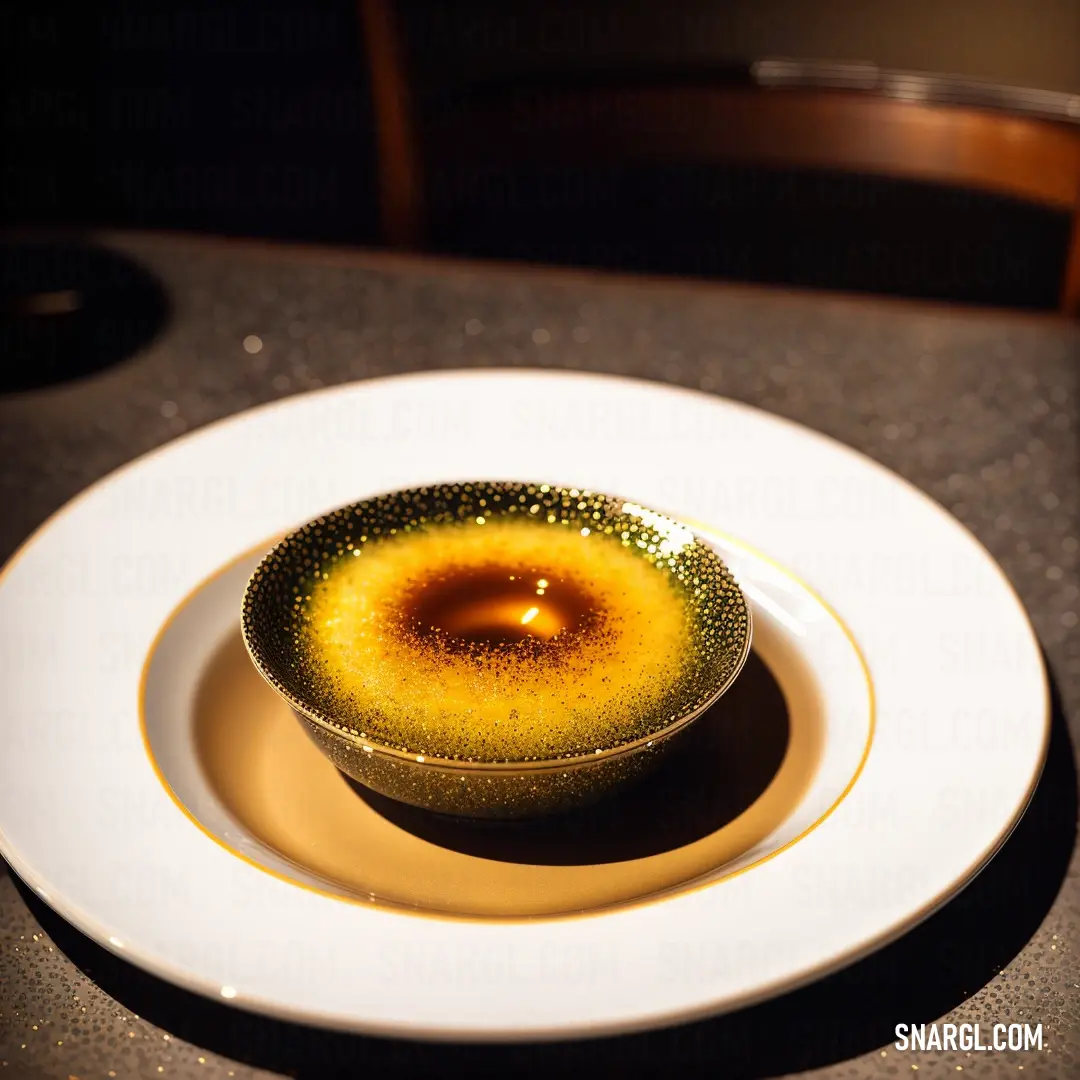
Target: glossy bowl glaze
[(640, 629)]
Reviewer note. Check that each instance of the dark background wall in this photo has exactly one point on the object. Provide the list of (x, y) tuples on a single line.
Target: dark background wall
[(223, 117), (1033, 43), (256, 119)]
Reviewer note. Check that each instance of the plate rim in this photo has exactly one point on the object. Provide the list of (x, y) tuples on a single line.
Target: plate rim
[(654, 1019)]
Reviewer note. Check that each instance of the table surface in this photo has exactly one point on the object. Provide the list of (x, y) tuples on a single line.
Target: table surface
[(979, 409)]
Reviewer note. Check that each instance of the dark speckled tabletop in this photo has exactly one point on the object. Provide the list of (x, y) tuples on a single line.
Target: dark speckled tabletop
[(980, 409)]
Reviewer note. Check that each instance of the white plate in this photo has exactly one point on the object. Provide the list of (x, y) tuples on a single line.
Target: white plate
[(954, 695)]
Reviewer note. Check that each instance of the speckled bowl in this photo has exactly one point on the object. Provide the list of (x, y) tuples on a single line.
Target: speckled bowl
[(716, 611)]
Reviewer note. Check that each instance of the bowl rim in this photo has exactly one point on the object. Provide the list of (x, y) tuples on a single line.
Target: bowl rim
[(465, 765)]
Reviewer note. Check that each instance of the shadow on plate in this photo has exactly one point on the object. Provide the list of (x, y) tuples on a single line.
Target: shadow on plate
[(717, 770), (69, 309), (919, 978)]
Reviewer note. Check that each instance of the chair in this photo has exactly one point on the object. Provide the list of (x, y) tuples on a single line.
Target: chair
[(903, 127)]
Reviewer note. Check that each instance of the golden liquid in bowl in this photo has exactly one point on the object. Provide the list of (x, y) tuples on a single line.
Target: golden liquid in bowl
[(490, 606), (494, 622), (510, 640)]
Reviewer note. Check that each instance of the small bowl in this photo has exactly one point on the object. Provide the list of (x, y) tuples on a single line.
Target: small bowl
[(531, 765)]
